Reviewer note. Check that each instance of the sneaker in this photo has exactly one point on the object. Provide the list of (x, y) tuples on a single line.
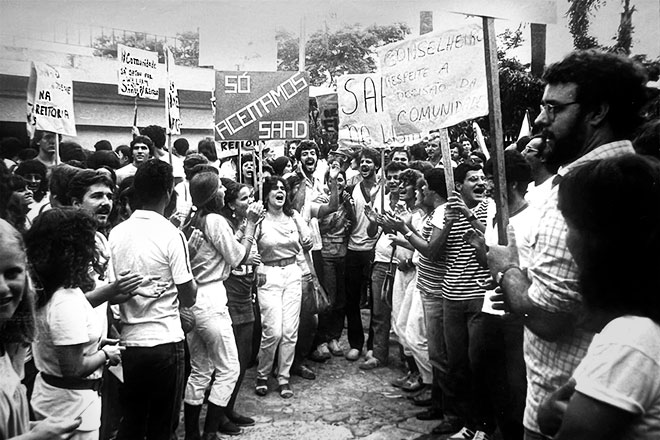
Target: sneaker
[(463, 434), (335, 348), (353, 354), (399, 382), (286, 391), (261, 389), (370, 364), (413, 384), (480, 435)]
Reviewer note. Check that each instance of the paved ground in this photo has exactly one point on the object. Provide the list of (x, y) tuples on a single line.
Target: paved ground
[(343, 402)]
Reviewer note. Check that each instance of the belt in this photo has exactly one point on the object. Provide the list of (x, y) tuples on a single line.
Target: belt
[(281, 263), (72, 383)]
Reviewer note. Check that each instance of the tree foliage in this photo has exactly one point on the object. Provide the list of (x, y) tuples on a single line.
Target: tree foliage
[(184, 47), (579, 18), (331, 54)]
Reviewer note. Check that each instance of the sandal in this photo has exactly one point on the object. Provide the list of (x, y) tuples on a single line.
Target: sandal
[(286, 391), (262, 387)]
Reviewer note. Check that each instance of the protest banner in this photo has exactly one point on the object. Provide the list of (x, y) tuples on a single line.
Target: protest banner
[(137, 72), (261, 105), (363, 118), (171, 97), (435, 80), (50, 100)]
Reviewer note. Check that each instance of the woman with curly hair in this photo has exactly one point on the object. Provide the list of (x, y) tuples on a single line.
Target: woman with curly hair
[(282, 236), (68, 349)]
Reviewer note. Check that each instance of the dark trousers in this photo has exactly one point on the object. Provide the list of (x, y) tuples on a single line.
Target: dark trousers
[(243, 336), (465, 327), (358, 266), (331, 323), (153, 390), (381, 315), (308, 322)]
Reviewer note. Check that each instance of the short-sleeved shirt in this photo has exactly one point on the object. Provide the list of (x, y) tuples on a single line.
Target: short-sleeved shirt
[(622, 369), (430, 273), (149, 245), (67, 319), (124, 172), (14, 408), (278, 239), (464, 275), (218, 253)]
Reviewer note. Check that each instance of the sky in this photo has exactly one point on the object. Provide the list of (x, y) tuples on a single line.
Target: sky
[(241, 26)]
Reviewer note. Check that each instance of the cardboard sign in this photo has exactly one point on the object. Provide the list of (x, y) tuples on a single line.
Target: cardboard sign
[(261, 105), (137, 72), (171, 97), (363, 119), (50, 100), (435, 80), (243, 145)]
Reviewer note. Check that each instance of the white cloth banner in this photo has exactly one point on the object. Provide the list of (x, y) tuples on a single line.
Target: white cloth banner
[(363, 121), (435, 80), (137, 72), (172, 96), (50, 100)]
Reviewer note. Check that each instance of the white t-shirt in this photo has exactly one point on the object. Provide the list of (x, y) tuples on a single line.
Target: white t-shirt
[(67, 319), (148, 244), (125, 171), (537, 194), (622, 369), (524, 222)]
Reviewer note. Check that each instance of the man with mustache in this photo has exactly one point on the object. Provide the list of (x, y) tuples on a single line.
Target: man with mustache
[(591, 107), (307, 200), (142, 148)]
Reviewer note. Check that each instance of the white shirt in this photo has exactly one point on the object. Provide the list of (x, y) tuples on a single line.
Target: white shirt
[(149, 245)]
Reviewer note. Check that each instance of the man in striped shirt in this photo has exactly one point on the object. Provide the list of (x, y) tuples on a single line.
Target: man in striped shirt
[(591, 106)]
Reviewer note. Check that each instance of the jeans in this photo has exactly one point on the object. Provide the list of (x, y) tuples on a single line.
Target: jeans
[(331, 323), (212, 349), (153, 387), (435, 332), (279, 304), (465, 327), (381, 315), (358, 264)]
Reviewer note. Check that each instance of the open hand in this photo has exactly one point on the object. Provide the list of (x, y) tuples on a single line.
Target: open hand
[(55, 428)]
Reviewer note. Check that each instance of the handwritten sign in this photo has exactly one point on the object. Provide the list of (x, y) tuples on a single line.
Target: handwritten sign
[(363, 118), (137, 72), (50, 100), (240, 145), (261, 105), (172, 96), (435, 80)]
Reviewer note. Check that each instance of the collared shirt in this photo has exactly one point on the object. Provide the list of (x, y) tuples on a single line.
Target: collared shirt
[(313, 189), (554, 288)]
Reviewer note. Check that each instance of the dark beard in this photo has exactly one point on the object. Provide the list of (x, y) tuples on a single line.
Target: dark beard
[(560, 152)]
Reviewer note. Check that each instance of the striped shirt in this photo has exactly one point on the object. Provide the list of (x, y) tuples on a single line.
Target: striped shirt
[(429, 272), (464, 273), (554, 288)]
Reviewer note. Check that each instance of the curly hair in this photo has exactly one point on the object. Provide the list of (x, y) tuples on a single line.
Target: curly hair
[(616, 248), (20, 328), (306, 145), (269, 185), (60, 248), (605, 77)]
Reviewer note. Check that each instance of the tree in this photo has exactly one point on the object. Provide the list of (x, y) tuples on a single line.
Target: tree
[(579, 17), (331, 54), (184, 47)]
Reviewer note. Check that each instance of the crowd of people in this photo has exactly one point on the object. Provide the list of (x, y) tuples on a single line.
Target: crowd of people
[(134, 280)]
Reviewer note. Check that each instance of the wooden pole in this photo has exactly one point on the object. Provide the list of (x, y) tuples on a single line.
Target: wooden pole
[(239, 162), (495, 118), (57, 148), (446, 161), (260, 180), (382, 180)]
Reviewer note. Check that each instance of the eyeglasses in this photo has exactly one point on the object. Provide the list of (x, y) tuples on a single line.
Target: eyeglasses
[(552, 109)]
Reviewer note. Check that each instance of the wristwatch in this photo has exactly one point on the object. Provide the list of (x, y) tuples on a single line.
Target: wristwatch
[(505, 269)]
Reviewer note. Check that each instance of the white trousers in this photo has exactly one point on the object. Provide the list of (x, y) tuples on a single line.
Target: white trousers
[(415, 335), (212, 348), (401, 297), (279, 303)]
